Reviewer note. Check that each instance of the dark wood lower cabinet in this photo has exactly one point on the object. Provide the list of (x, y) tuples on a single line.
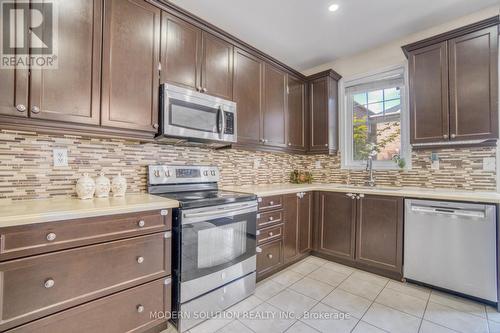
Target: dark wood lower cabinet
[(297, 231), (305, 223), (128, 311), (270, 258), (364, 231), (379, 232), (336, 225)]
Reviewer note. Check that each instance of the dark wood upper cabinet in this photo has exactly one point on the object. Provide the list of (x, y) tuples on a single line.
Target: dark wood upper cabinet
[(305, 223), (379, 232), (71, 92), (131, 65), (217, 67), (429, 109), (473, 61), (454, 85), (274, 113), (336, 225), (247, 92), (296, 116), (14, 92), (181, 50), (323, 112)]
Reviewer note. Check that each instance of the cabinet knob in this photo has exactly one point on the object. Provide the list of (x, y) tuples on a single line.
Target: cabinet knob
[(271, 218), (453, 136), (271, 234), (35, 109), (326, 144), (140, 308), (198, 88), (445, 136), (140, 260), (156, 126), (258, 249), (141, 223), (271, 203), (51, 236), (21, 108), (266, 140), (204, 90), (289, 144), (49, 283), (270, 256)]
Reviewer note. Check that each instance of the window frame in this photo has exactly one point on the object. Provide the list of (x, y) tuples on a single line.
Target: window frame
[(346, 119)]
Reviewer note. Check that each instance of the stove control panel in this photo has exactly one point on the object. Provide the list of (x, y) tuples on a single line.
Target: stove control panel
[(185, 174)]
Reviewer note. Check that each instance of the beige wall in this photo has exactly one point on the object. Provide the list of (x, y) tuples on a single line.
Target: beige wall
[(390, 54)]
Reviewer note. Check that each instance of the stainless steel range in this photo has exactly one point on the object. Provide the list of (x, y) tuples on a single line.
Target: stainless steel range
[(214, 241)]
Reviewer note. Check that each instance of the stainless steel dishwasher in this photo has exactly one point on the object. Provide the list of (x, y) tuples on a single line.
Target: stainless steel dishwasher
[(452, 246)]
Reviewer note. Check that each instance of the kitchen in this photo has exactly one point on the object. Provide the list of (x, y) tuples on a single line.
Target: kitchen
[(183, 160)]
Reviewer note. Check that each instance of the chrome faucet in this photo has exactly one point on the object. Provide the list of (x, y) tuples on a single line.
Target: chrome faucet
[(369, 168)]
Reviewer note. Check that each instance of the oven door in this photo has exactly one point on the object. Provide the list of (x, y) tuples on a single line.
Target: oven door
[(189, 114), (217, 246)]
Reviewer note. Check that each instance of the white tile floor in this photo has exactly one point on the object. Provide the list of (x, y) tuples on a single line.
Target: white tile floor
[(374, 304)]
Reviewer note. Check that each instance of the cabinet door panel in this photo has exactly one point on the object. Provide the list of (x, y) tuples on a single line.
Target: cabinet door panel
[(473, 62), (274, 106), (248, 71), (130, 65), (217, 66), (181, 49), (13, 92), (291, 218), (380, 232), (305, 223), (72, 91), (428, 69), (319, 99), (336, 229), (296, 114)]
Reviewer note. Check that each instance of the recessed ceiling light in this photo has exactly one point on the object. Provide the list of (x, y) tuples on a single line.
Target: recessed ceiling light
[(333, 7)]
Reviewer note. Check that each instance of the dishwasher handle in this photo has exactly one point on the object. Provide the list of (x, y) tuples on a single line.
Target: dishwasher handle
[(448, 211)]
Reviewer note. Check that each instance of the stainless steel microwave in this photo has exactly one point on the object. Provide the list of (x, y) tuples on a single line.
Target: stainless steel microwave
[(196, 116)]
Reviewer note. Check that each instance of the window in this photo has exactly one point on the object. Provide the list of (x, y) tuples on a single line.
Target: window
[(375, 121)]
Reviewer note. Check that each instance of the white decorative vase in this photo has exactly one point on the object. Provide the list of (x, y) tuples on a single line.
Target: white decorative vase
[(119, 185), (85, 187), (102, 186)]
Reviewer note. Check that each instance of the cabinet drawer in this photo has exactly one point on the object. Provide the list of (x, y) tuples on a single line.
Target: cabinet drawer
[(271, 256), (47, 237), (270, 218), (118, 313), (272, 202), (269, 234), (41, 285)]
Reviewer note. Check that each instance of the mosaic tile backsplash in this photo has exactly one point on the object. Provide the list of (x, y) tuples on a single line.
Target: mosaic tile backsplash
[(26, 170)]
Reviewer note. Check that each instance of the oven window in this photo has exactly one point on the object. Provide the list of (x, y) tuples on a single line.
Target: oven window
[(213, 245), (193, 116), (221, 244)]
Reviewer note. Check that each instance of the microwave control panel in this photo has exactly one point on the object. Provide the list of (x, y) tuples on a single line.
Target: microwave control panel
[(229, 123)]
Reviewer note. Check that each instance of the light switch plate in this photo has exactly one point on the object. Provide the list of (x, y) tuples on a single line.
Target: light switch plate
[(60, 156), (489, 164)]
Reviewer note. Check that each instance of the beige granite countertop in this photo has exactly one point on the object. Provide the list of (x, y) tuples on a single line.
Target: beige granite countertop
[(421, 193), (46, 210)]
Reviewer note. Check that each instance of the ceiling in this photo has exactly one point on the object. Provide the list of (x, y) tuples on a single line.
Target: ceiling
[(304, 34)]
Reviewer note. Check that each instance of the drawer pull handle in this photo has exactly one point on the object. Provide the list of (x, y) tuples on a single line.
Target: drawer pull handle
[(140, 260), (141, 223), (271, 233), (51, 236), (270, 256), (49, 283), (140, 308), (271, 218), (271, 203), (258, 249)]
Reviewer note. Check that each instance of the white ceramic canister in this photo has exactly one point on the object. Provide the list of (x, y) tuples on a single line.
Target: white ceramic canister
[(85, 187), (119, 185), (102, 186)]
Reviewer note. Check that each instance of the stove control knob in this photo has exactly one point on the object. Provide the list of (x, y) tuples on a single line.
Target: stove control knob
[(205, 173), (157, 173), (212, 172), (167, 173)]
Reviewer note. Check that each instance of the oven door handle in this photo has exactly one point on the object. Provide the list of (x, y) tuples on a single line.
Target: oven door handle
[(212, 214)]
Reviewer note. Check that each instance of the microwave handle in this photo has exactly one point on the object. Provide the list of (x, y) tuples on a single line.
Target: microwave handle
[(222, 121)]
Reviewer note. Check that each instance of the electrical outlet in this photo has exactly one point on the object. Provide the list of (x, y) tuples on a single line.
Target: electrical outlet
[(256, 163), (489, 164), (60, 156), (318, 165), (435, 165)]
